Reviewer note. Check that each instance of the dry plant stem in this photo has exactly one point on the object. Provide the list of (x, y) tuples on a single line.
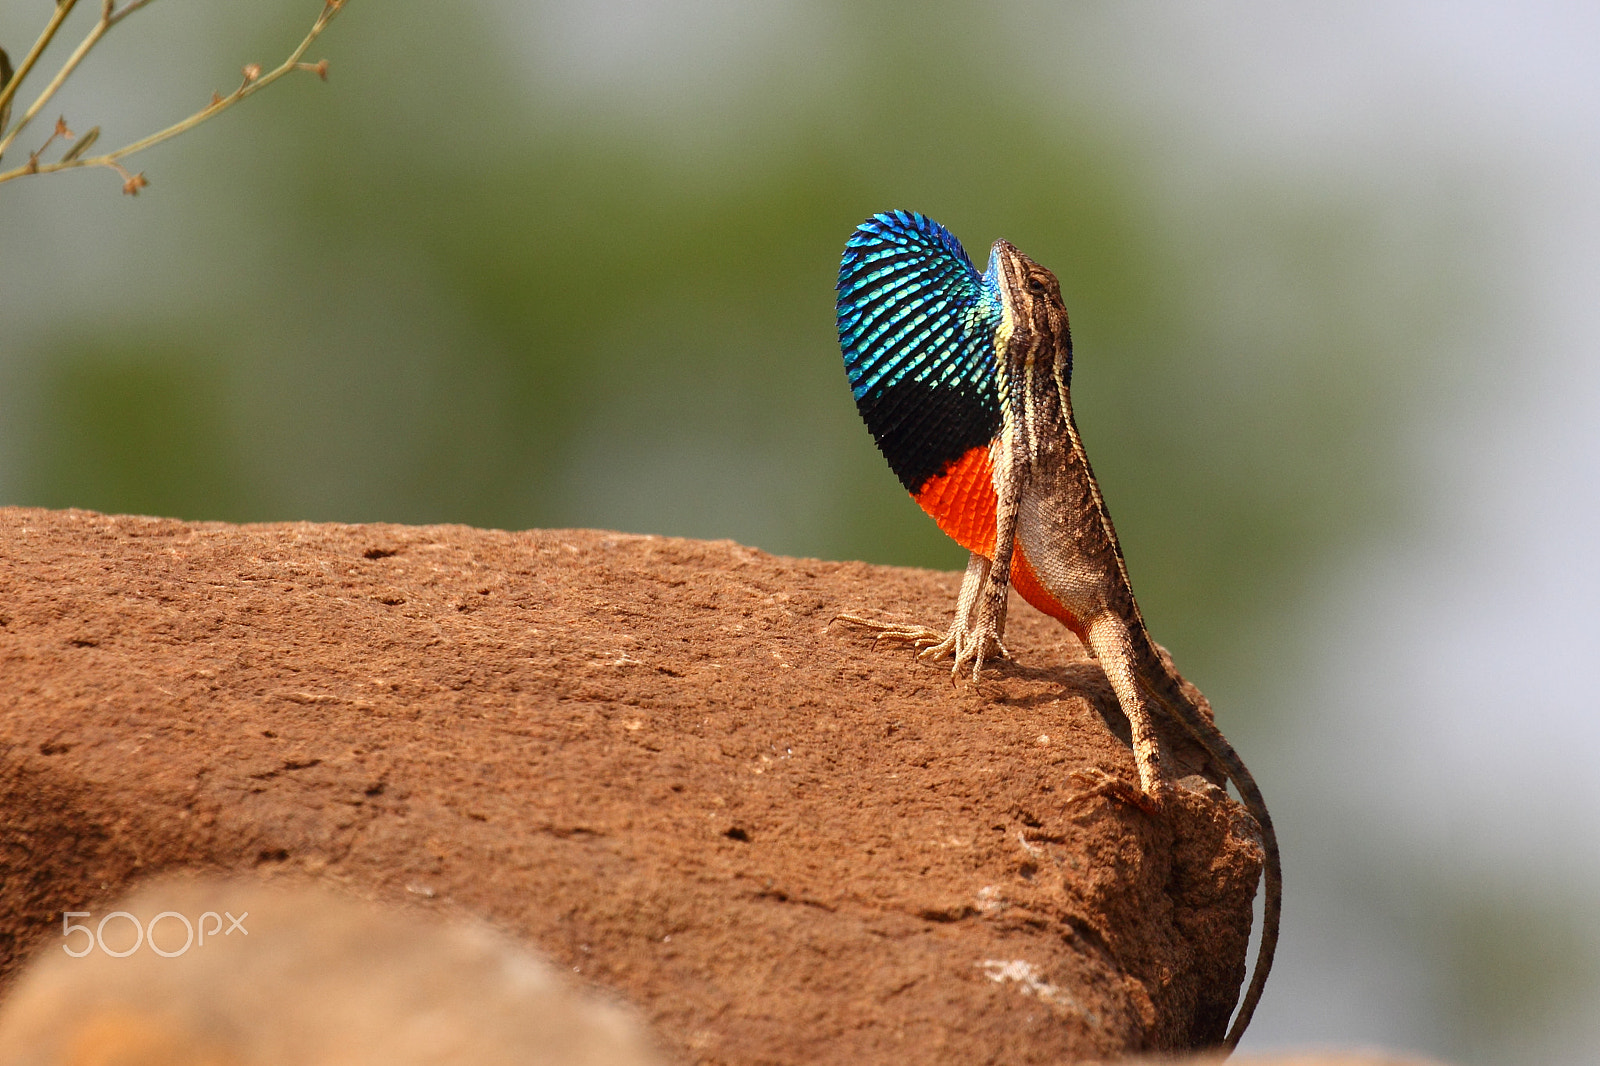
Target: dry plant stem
[(253, 82), (58, 16), (63, 9), (107, 19)]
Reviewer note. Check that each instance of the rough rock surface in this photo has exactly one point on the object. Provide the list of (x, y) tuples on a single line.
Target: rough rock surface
[(653, 759)]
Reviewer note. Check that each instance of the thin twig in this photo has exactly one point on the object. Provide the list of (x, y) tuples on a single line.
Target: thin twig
[(60, 131), (128, 10), (63, 9), (253, 82), (102, 24)]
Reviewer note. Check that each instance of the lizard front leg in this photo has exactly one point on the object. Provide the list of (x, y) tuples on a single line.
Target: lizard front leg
[(985, 633)]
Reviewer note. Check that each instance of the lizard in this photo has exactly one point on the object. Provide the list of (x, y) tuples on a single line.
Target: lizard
[(963, 380)]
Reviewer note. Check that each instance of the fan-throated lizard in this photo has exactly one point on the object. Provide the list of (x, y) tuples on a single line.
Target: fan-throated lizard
[(963, 380)]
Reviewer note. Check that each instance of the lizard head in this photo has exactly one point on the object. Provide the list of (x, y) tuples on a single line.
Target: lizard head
[(1035, 318)]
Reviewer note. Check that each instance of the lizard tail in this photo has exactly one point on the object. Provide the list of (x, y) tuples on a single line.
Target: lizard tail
[(1188, 706)]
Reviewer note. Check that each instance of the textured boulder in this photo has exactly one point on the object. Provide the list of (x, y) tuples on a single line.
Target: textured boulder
[(651, 760)]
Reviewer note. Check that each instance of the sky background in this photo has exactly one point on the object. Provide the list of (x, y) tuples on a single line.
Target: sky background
[(1332, 271)]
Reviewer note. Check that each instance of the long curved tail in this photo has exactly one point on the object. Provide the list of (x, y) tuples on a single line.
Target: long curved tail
[(1185, 703)]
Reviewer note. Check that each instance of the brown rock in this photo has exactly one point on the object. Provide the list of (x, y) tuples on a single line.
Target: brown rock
[(651, 758)]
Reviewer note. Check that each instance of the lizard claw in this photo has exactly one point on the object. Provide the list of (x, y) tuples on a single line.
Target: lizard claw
[(968, 647), (976, 648), (1106, 784), (920, 637)]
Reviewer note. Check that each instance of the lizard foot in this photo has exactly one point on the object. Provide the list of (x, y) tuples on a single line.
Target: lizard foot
[(959, 643), (1102, 783), (975, 648), (921, 637)]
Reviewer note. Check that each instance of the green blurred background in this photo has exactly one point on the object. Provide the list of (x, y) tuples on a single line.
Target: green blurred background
[(568, 264)]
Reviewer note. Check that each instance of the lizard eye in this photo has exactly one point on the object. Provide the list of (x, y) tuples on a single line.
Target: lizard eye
[(1035, 285)]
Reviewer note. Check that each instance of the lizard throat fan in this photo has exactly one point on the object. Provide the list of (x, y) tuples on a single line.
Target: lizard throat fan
[(917, 326), (920, 330)]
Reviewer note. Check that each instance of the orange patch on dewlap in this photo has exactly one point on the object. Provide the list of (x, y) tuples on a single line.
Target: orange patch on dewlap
[(962, 501)]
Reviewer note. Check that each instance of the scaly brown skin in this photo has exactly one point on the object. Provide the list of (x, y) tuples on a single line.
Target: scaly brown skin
[(1049, 503)]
